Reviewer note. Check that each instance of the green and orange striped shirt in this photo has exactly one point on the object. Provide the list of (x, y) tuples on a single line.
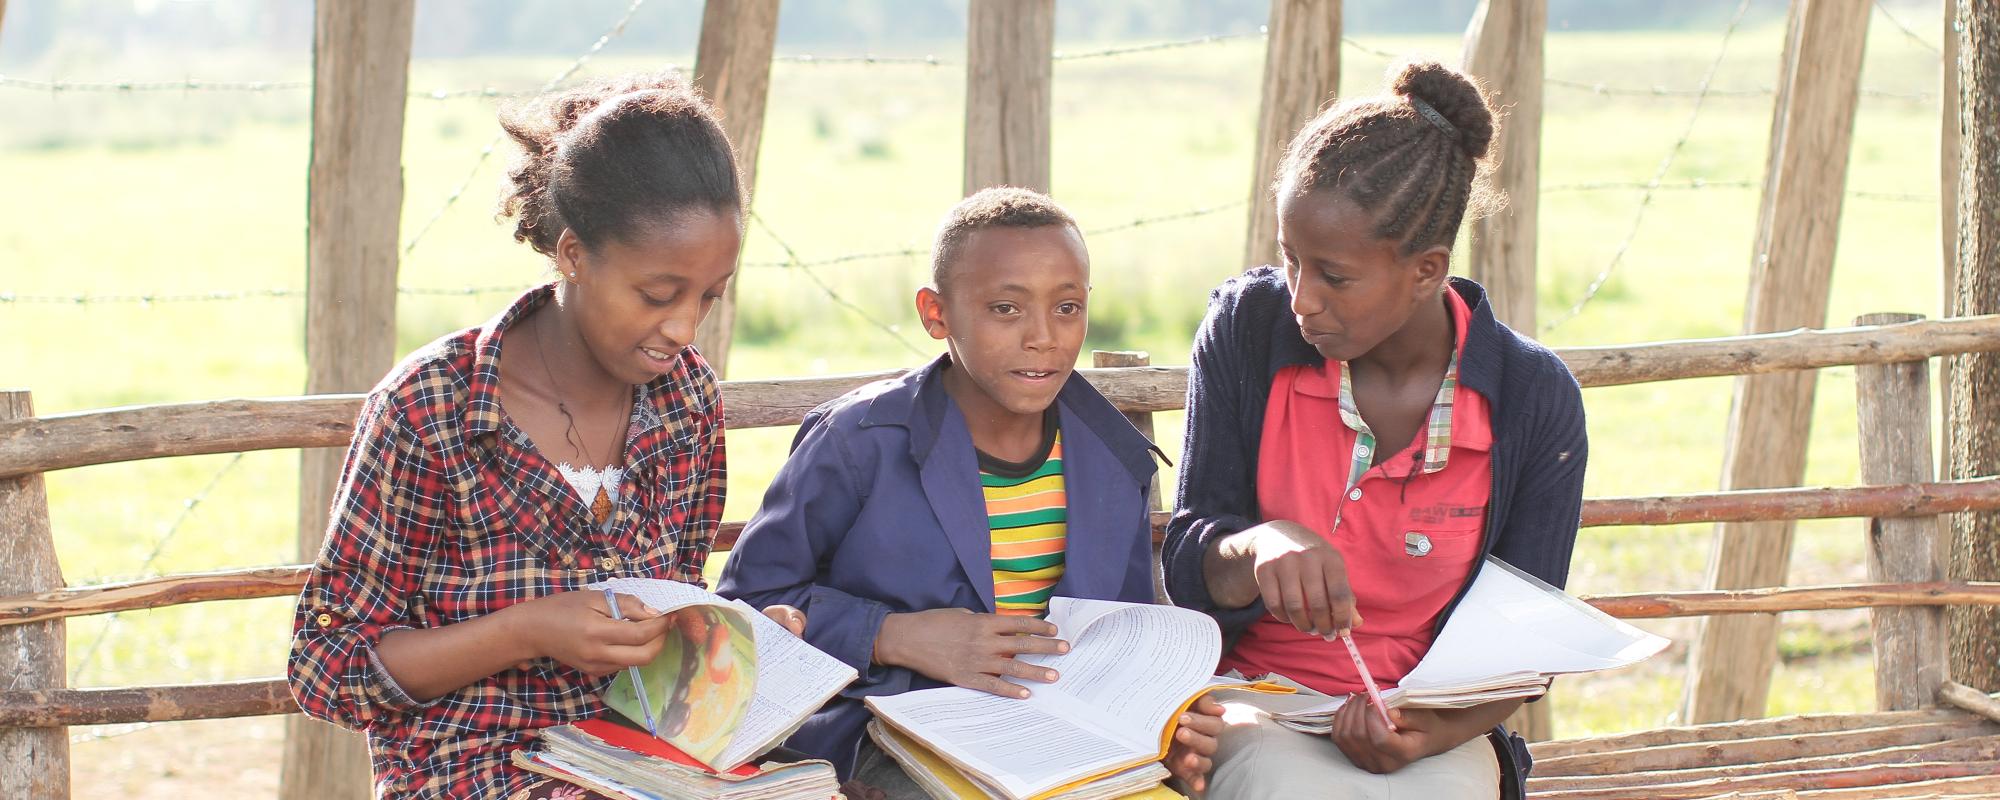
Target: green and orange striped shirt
[(1027, 512)]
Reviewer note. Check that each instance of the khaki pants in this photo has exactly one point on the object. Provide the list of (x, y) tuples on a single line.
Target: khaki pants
[(1258, 759)]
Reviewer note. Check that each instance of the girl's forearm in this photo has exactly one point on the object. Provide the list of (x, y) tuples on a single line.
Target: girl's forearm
[(429, 663)]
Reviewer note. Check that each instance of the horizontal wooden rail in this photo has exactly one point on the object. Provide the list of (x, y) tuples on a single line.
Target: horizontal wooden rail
[(146, 703), (106, 436), (1757, 505), (254, 697), (1796, 598), (1739, 506)]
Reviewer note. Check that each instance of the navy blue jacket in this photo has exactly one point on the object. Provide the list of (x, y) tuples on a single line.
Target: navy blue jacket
[(878, 511), (1539, 442)]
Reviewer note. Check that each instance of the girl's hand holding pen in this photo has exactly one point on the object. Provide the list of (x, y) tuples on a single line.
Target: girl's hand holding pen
[(577, 629)]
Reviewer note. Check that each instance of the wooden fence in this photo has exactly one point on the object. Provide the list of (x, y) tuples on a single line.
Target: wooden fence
[(1906, 579)]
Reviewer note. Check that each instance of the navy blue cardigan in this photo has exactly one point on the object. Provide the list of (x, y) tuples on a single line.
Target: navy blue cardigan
[(1539, 442)]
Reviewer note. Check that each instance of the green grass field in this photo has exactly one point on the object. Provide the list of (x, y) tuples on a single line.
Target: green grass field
[(176, 193)]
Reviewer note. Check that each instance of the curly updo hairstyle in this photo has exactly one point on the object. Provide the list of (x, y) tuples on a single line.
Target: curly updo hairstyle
[(1414, 158), (606, 157)]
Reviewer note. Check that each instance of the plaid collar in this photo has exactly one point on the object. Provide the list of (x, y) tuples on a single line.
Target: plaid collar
[(1437, 431)]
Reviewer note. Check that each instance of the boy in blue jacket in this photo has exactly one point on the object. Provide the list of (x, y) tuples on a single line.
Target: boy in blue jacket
[(922, 523)]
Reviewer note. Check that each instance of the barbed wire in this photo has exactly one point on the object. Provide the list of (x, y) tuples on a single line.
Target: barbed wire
[(1662, 91), (914, 251), (1666, 163), (893, 331), (1925, 43), (485, 153), (1695, 184), (7, 298), (146, 567), (198, 85)]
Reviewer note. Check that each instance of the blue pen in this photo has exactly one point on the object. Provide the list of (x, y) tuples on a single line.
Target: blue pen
[(638, 685)]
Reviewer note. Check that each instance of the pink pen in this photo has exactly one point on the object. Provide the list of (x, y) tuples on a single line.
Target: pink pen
[(1374, 693)]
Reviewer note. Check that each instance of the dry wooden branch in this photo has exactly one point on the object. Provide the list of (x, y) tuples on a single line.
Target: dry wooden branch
[(1795, 598), (170, 590), (1970, 699), (40, 709), (1762, 749), (1984, 748), (1759, 354), (1746, 729), (1867, 775), (1747, 505)]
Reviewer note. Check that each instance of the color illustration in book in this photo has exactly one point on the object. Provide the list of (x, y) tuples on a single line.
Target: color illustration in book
[(700, 686), (728, 685)]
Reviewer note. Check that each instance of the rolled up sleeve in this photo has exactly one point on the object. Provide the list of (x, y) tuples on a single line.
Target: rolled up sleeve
[(383, 518)]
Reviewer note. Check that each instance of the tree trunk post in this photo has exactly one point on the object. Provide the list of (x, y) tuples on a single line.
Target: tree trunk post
[(1503, 48), (34, 762), (1010, 64), (361, 67), (1975, 379), (1948, 211), (1301, 74), (1895, 435), (732, 68), (1791, 273)]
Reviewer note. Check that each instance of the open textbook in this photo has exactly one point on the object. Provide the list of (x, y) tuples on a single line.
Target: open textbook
[(942, 781), (1509, 635), (1130, 672), (729, 683)]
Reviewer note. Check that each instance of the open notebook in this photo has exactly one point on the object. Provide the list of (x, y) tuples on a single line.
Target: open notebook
[(1510, 634)]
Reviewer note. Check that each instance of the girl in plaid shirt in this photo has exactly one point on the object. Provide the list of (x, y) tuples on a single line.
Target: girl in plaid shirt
[(486, 481)]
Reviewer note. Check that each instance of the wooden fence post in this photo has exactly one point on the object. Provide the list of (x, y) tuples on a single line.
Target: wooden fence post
[(34, 762), (361, 68), (1791, 273), (1301, 74), (732, 68), (1895, 434), (1009, 66), (1975, 400), (1503, 48), (1144, 422)]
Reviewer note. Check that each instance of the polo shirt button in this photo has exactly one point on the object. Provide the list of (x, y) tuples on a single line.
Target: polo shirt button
[(1354, 494), (1361, 450)]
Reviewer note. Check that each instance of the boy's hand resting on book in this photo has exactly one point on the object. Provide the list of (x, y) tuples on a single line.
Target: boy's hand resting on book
[(1301, 578), (1192, 753), (966, 649)]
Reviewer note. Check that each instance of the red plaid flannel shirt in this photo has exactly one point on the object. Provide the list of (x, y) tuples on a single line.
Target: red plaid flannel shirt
[(446, 512)]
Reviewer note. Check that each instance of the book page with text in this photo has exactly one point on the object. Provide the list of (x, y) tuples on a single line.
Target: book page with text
[(1009, 741), (793, 680), (1134, 663)]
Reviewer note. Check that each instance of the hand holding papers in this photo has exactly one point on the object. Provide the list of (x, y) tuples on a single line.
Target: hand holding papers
[(1509, 635)]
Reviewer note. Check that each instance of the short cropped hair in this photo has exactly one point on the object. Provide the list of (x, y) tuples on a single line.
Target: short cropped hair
[(995, 207)]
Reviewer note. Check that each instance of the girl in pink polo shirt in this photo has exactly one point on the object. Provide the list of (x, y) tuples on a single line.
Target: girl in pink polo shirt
[(1361, 434)]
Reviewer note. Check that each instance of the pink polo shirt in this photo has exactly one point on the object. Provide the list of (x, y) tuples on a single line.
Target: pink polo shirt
[(1410, 528)]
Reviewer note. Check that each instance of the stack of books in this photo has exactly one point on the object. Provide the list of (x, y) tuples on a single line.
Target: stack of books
[(617, 761)]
